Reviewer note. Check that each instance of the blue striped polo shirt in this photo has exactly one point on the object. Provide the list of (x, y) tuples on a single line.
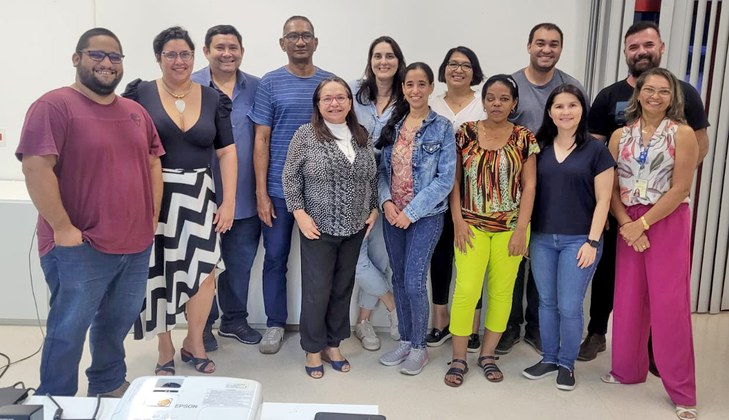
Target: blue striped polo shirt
[(284, 103)]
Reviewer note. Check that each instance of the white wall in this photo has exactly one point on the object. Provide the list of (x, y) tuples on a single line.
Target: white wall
[(37, 38)]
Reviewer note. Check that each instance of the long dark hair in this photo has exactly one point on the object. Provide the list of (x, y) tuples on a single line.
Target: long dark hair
[(402, 107), (548, 131), (367, 93), (317, 120)]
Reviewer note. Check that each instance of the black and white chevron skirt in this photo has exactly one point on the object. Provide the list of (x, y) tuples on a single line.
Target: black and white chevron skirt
[(186, 249)]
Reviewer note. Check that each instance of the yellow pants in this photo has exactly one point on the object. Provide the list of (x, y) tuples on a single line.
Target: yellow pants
[(490, 251)]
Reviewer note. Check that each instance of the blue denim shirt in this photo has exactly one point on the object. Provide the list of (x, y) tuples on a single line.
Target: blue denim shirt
[(368, 118), (244, 94), (434, 168)]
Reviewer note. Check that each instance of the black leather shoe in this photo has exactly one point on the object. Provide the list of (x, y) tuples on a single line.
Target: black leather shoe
[(593, 344), (209, 341), (534, 340), (511, 336), (437, 337), (474, 343)]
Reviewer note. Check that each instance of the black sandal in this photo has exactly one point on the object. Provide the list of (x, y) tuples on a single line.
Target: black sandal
[(457, 372), (200, 364), (165, 369), (490, 369)]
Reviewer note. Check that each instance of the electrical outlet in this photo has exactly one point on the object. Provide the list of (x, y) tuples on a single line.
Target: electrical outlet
[(3, 140)]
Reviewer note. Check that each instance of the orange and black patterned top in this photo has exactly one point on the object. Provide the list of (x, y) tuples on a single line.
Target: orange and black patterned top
[(491, 181)]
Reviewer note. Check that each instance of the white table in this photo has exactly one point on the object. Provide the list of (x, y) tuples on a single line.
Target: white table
[(83, 408)]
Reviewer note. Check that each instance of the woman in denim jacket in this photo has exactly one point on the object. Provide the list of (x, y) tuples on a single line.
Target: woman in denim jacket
[(416, 175)]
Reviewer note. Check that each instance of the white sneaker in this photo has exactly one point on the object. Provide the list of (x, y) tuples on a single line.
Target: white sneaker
[(415, 362), (397, 356), (366, 334), (394, 332), (271, 341)]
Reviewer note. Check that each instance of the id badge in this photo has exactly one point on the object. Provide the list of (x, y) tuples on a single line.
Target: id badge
[(641, 188)]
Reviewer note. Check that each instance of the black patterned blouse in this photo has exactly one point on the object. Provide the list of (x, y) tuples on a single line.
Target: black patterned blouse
[(319, 179)]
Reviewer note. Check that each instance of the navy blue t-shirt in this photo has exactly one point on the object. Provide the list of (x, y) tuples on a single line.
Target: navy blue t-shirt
[(565, 199)]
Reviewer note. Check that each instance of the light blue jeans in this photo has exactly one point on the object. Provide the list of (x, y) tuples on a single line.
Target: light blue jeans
[(410, 252), (562, 286), (90, 289), (372, 267)]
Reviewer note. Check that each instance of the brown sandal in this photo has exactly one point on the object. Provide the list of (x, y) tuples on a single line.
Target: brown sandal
[(490, 370), (457, 372)]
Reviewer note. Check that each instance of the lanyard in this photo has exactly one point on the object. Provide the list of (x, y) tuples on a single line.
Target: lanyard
[(643, 156)]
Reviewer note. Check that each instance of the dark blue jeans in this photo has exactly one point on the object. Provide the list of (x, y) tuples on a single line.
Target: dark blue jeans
[(410, 251), (562, 287), (277, 244), (239, 247), (90, 289)]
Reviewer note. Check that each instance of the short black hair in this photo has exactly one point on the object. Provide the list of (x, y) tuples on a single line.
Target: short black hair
[(548, 26), (477, 72), (505, 79), (169, 34), (640, 27), (298, 17), (83, 41), (222, 30)]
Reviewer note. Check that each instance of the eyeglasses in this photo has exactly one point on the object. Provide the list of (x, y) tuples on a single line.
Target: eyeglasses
[(99, 56), (172, 55), (341, 99), (664, 93), (295, 36), (454, 65)]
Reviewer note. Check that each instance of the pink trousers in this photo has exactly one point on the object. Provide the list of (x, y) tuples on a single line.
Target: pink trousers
[(652, 293)]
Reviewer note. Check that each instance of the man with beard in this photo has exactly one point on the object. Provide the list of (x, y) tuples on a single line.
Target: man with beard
[(283, 104), (643, 50), (224, 51), (535, 82), (92, 168)]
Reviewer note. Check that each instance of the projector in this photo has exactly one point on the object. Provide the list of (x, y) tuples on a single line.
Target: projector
[(190, 398)]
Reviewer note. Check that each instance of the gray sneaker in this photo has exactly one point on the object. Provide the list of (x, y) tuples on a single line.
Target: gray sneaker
[(271, 341), (394, 332), (366, 334), (415, 362), (397, 356), (117, 393)]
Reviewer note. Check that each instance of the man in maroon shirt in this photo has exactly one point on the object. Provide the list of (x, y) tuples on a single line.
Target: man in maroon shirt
[(92, 168)]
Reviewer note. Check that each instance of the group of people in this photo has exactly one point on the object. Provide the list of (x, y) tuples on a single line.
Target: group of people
[(382, 180)]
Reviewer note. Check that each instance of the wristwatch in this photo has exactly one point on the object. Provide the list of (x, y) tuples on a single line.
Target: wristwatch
[(592, 243)]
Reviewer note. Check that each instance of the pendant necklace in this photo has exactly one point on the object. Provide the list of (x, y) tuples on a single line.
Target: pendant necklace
[(179, 101)]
